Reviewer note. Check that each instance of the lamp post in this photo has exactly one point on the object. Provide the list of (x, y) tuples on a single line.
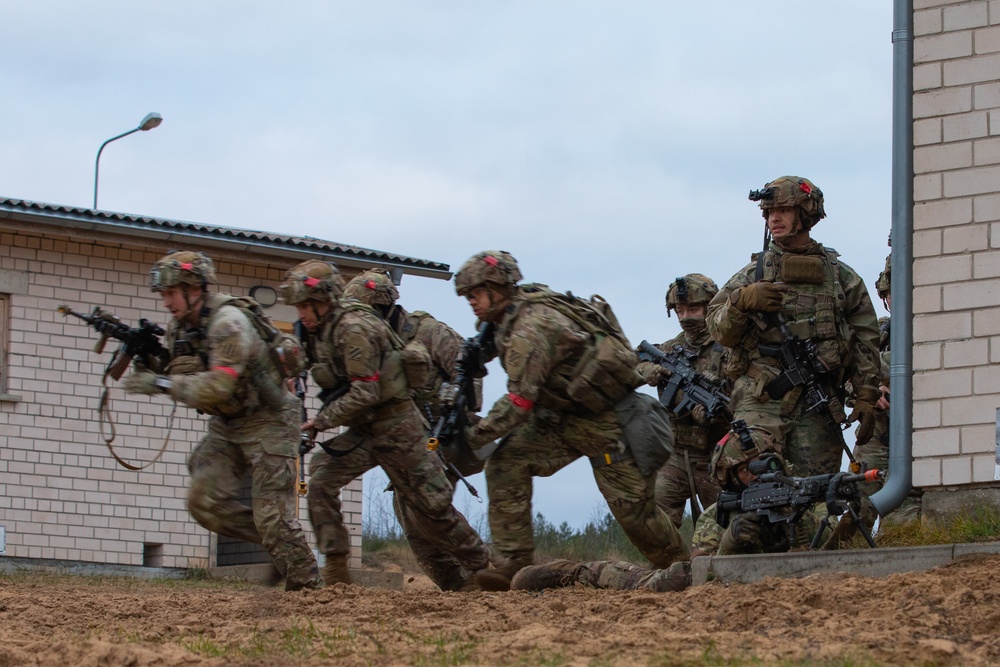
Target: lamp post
[(148, 123)]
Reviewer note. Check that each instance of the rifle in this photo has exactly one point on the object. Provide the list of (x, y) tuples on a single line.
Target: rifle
[(698, 389), (785, 499), (306, 439), (450, 426), (141, 343)]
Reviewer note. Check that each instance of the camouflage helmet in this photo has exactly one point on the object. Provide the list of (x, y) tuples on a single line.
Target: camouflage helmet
[(493, 267), (739, 446), (692, 288), (181, 267), (884, 283), (792, 192), (373, 287), (311, 280)]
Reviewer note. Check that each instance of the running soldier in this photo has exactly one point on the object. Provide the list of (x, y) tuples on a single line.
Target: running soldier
[(221, 366), (356, 356)]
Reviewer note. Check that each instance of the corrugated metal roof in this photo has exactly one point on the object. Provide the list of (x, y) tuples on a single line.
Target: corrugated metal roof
[(259, 241)]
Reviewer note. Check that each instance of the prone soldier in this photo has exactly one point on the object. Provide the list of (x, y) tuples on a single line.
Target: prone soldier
[(220, 365), (354, 352)]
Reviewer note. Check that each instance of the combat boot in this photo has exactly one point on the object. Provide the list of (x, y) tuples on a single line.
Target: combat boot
[(498, 579), (556, 574), (335, 570)]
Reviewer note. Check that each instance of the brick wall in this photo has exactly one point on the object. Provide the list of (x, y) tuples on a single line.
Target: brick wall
[(956, 270), (62, 496)]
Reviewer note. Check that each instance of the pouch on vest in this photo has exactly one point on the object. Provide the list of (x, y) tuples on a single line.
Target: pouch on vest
[(646, 431), (604, 376), (417, 364)]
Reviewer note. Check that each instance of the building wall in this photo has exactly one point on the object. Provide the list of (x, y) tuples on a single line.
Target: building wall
[(956, 270), (62, 495)]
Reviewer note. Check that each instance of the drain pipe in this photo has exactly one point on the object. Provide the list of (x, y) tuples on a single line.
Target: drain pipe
[(901, 333)]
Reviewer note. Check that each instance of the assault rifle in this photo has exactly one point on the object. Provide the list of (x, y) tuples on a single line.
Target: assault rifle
[(802, 366), (459, 397), (306, 439), (141, 343), (698, 389), (785, 499)]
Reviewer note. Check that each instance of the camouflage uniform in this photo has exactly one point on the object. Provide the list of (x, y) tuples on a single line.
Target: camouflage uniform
[(353, 346), (824, 300), (773, 538), (614, 575), (539, 348), (225, 372), (444, 344), (686, 472)]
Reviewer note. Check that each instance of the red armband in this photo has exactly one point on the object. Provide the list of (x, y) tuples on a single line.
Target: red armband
[(521, 401), (227, 370), (370, 378)]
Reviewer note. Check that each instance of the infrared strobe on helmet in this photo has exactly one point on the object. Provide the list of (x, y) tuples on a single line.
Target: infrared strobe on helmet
[(373, 287), (792, 192), (312, 280), (693, 288), (183, 267), (490, 267), (740, 445)]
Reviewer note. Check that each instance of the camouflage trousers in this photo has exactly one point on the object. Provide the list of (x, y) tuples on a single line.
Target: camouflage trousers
[(811, 445), (619, 575), (264, 444), (438, 564), (540, 448), (673, 486), (397, 443)]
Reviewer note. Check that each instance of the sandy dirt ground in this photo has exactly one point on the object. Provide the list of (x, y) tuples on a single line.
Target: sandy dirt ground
[(947, 616)]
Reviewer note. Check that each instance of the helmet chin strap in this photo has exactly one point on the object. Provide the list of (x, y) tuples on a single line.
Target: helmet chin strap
[(200, 302)]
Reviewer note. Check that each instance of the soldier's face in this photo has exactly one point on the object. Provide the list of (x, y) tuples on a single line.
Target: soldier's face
[(310, 313), (744, 474), (686, 310), (181, 305), (782, 222), (486, 303)]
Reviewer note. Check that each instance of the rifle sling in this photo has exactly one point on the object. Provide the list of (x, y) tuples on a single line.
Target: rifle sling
[(104, 415)]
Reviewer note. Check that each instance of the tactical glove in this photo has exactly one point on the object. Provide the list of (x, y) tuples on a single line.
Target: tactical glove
[(656, 375), (742, 535), (763, 297), (699, 413), (141, 382), (864, 412), (448, 394)]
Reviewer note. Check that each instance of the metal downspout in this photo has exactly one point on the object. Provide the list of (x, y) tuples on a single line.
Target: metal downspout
[(901, 333)]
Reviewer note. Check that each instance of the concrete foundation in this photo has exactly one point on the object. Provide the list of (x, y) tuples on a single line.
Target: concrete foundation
[(941, 504)]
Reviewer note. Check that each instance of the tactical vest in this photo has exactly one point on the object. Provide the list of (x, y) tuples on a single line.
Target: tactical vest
[(259, 384), (424, 393), (604, 372), (687, 432), (328, 369)]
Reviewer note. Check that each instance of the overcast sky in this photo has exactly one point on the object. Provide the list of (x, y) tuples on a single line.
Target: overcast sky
[(608, 146)]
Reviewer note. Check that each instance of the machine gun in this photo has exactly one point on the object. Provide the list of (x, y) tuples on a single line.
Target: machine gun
[(698, 389), (785, 499), (141, 343)]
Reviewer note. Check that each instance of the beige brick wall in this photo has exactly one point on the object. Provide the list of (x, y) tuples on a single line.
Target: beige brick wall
[(62, 495), (956, 269)]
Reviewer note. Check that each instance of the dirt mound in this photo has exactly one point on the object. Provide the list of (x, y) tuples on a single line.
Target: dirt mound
[(947, 616)]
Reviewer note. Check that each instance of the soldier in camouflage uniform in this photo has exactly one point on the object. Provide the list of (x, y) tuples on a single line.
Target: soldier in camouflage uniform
[(685, 474), (375, 288), (350, 346), (544, 352), (611, 574), (798, 283), (749, 532), (220, 366)]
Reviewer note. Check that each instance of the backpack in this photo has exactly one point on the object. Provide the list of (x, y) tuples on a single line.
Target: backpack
[(606, 373), (284, 348)]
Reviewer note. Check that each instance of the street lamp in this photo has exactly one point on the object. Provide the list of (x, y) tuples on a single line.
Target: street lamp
[(148, 123)]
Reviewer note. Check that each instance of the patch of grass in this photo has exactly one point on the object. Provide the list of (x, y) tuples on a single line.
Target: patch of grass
[(447, 650), (539, 658), (980, 524), (712, 657), (301, 640)]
